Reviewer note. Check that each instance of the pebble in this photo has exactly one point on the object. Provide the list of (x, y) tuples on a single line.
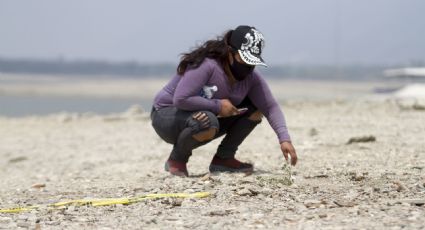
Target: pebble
[(417, 202), (23, 224), (23, 217), (320, 175), (189, 190), (5, 220), (309, 217), (355, 176), (71, 208), (292, 218), (218, 213), (244, 192), (258, 216), (12, 225), (18, 159), (312, 203), (323, 215), (399, 186), (369, 138), (32, 218), (266, 191), (177, 202), (343, 203), (313, 132), (38, 185)]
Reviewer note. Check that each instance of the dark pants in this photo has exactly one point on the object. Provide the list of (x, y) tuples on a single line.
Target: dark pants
[(178, 126)]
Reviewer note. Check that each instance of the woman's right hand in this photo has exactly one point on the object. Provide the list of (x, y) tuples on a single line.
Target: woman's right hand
[(227, 108)]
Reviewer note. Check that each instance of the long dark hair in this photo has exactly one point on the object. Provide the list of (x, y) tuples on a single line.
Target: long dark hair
[(216, 48)]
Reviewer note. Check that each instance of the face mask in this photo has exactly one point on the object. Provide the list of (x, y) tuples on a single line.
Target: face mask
[(240, 71)]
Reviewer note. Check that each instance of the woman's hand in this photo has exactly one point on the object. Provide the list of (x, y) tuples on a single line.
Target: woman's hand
[(227, 108), (288, 148)]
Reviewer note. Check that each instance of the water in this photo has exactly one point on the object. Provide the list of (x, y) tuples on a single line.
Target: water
[(18, 106)]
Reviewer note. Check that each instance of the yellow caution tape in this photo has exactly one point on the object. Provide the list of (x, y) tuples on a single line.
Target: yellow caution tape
[(17, 210), (108, 201)]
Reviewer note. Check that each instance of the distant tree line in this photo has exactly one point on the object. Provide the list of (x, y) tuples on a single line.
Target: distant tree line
[(135, 69)]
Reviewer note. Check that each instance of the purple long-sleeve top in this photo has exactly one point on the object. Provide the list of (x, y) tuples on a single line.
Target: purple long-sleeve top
[(185, 92)]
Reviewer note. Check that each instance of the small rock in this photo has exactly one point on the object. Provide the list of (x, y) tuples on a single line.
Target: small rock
[(399, 186), (23, 217), (418, 106), (207, 177), (32, 218), (361, 139), (23, 224), (258, 216), (18, 159), (312, 203), (219, 212), (310, 217), (291, 218), (266, 191), (246, 180), (313, 132), (150, 219), (321, 175), (173, 201), (54, 222), (417, 202), (69, 210), (5, 220), (38, 185), (355, 176), (177, 202), (254, 191), (323, 215), (189, 190), (81, 219), (244, 192), (342, 203)]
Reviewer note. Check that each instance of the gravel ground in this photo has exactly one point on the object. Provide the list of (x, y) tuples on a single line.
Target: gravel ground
[(375, 184)]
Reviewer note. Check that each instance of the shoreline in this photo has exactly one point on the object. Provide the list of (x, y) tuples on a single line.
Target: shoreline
[(336, 184)]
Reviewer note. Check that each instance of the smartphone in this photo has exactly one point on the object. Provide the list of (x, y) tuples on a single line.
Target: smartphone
[(242, 110)]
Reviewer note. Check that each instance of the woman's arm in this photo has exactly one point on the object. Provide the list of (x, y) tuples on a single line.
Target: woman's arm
[(263, 99), (187, 93)]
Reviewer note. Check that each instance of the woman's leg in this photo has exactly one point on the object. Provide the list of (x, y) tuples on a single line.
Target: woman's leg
[(200, 127), (236, 130), (186, 131)]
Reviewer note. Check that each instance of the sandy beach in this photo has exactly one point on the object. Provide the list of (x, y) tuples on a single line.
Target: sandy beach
[(376, 181)]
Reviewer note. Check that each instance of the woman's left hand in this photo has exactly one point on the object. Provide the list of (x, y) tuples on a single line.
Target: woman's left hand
[(288, 149)]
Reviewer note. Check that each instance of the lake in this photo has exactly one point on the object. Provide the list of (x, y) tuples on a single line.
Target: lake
[(18, 106)]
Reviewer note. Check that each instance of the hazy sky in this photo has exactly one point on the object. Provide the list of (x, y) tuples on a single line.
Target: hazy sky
[(301, 31)]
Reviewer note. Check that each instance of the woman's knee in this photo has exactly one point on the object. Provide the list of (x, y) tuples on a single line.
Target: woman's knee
[(256, 116), (204, 125), (206, 135)]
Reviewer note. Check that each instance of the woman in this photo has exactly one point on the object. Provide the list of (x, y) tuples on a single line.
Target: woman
[(215, 92)]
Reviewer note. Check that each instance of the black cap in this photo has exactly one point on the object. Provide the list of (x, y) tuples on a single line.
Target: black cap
[(249, 42)]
